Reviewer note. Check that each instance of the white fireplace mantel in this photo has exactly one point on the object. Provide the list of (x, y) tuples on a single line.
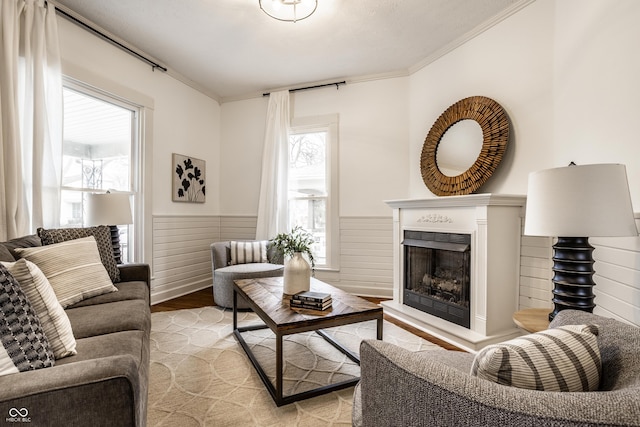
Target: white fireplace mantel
[(495, 225)]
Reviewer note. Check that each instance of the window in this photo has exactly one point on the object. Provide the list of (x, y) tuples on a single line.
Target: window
[(100, 145), (312, 184)]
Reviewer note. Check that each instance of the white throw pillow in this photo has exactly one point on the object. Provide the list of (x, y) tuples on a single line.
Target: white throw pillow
[(248, 252), (102, 234), (73, 268), (566, 358), (53, 318)]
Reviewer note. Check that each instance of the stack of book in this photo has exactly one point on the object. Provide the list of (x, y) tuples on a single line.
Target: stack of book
[(311, 300)]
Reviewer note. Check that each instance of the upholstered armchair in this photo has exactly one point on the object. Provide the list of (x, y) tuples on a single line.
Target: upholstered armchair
[(226, 269), (435, 388)]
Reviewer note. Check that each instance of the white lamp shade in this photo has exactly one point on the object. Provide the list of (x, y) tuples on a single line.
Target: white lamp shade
[(580, 201), (108, 209)]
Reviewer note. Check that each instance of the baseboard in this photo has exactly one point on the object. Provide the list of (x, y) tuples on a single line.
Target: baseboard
[(364, 291), (169, 294)]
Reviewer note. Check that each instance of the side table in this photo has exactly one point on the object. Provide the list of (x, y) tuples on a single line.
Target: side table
[(532, 319)]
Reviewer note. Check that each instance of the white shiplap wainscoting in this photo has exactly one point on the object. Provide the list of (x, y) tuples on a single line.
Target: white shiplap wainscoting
[(366, 257), (238, 227), (535, 272), (617, 277), (181, 254), (182, 263), (181, 250)]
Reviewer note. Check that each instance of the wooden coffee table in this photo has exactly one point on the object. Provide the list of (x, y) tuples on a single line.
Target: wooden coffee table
[(265, 298)]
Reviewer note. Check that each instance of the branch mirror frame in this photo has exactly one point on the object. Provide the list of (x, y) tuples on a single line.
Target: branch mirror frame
[(493, 121)]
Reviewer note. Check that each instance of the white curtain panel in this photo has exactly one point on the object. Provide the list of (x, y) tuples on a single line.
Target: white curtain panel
[(272, 205), (30, 117)]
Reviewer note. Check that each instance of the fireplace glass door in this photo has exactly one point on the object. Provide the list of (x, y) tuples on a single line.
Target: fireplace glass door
[(437, 274)]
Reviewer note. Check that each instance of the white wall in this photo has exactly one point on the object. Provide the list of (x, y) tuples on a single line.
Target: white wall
[(566, 73), (596, 87), (183, 120), (243, 126), (511, 63), (373, 152), (373, 156)]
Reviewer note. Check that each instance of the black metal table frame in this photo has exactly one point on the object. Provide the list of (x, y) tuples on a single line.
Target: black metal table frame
[(276, 391)]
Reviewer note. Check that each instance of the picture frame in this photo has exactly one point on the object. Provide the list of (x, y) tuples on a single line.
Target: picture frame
[(188, 179)]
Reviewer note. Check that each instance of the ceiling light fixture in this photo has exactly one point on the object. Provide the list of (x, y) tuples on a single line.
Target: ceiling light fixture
[(288, 10)]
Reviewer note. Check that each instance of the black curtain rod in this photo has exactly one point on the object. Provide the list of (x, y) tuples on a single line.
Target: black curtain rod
[(154, 65), (336, 84)]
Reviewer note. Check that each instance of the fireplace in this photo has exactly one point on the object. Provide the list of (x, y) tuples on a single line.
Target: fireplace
[(436, 274), (457, 266)]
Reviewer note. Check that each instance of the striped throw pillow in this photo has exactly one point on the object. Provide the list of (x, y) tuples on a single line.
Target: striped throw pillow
[(101, 233), (248, 252), (559, 359), (73, 268), (54, 320)]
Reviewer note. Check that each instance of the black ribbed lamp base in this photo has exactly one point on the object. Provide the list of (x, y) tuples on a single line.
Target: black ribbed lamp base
[(572, 275), (115, 242)]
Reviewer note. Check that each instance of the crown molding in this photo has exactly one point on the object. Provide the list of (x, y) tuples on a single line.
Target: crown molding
[(516, 7)]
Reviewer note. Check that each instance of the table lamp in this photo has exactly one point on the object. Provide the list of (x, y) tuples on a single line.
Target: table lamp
[(110, 209), (574, 203)]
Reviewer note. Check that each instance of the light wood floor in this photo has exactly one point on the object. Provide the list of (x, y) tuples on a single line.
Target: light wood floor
[(204, 298)]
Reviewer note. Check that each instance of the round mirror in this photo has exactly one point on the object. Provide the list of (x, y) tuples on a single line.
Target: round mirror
[(459, 147), (444, 172)]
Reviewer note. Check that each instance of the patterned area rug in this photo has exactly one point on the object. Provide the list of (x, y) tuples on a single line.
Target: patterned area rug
[(200, 376)]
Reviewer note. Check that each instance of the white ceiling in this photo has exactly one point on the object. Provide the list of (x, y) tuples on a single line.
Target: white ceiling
[(230, 49)]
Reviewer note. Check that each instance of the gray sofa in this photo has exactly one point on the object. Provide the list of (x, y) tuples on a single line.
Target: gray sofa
[(401, 388), (224, 274), (106, 382)]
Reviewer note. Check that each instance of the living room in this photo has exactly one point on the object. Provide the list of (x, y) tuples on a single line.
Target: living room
[(552, 66), (564, 70)]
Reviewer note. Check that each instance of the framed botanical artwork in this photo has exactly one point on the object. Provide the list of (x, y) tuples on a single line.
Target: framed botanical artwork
[(188, 179)]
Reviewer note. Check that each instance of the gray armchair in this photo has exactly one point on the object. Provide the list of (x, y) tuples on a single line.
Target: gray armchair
[(224, 274), (434, 388)]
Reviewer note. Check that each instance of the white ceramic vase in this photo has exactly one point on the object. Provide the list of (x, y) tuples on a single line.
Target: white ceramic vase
[(297, 274)]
